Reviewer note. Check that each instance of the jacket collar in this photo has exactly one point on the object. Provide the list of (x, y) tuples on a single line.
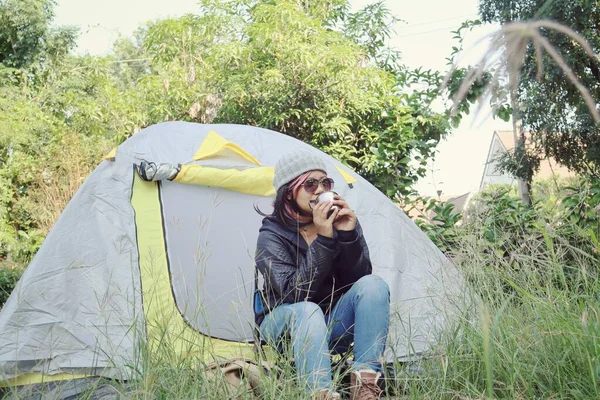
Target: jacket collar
[(272, 224)]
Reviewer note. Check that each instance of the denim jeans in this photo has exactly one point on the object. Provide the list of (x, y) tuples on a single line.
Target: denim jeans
[(361, 315)]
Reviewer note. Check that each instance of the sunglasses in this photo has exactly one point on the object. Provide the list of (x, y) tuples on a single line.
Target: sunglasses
[(311, 185)]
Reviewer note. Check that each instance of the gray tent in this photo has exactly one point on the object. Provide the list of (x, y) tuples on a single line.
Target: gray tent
[(131, 262)]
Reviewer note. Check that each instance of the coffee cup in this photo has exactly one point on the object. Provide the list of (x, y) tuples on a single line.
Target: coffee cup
[(328, 197)]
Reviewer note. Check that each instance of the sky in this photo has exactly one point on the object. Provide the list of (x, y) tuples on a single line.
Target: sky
[(423, 37)]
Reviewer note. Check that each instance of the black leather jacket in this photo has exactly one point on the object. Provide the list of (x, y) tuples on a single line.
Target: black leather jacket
[(294, 271)]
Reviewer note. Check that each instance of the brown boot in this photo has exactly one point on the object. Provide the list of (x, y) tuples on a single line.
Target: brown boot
[(363, 385), (326, 395)]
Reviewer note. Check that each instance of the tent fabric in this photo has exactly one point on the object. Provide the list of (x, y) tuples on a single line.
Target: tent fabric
[(73, 389), (131, 262), (169, 321)]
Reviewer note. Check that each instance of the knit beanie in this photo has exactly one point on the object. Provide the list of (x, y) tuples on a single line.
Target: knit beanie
[(294, 164)]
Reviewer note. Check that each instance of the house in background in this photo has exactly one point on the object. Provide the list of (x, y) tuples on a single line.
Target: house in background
[(503, 142)]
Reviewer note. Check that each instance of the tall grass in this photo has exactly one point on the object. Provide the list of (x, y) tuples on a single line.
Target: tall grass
[(537, 334)]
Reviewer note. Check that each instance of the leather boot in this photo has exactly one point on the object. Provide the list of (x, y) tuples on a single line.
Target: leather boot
[(363, 385), (326, 394)]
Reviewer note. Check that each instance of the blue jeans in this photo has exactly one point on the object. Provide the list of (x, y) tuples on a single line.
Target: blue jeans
[(361, 315)]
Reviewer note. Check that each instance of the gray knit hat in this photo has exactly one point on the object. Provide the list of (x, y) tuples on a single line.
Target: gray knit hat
[(294, 164)]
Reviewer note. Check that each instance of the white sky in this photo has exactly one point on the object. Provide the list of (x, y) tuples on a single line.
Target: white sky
[(424, 40)]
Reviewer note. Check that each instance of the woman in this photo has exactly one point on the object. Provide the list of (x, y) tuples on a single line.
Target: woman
[(318, 290)]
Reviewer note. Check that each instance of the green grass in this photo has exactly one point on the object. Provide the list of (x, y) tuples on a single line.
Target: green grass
[(536, 334)]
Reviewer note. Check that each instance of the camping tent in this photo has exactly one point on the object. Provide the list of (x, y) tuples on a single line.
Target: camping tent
[(170, 263)]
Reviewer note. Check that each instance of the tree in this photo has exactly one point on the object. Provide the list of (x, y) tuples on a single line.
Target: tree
[(24, 133), (319, 77), (552, 108), (27, 38), (32, 123), (309, 69)]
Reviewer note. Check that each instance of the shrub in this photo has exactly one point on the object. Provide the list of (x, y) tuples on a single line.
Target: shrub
[(544, 243), (9, 276), (581, 205), (500, 216), (438, 219)]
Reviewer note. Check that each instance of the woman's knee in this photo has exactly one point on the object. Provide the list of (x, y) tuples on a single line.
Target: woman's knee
[(374, 287), (307, 311), (309, 322)]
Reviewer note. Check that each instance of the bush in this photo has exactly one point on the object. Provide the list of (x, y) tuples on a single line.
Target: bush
[(9, 276), (581, 205), (545, 243), (500, 216), (438, 219)]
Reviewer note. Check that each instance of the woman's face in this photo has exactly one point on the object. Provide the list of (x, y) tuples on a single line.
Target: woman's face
[(304, 197)]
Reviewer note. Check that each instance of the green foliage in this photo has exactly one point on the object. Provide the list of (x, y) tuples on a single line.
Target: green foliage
[(536, 276), (563, 129), (27, 39), (370, 28), (32, 149), (9, 276), (315, 71), (559, 229), (511, 235), (25, 25), (549, 192), (536, 342), (277, 66), (581, 205), (520, 162), (564, 214), (25, 131), (501, 216), (327, 11), (310, 69), (438, 219), (477, 89)]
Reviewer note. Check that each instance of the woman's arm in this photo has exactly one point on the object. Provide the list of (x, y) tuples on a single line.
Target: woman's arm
[(293, 280), (355, 261)]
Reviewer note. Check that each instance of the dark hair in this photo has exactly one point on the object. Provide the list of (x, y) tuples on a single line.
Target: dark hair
[(285, 207), (283, 202)]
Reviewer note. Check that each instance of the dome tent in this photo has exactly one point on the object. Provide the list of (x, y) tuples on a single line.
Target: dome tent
[(171, 262)]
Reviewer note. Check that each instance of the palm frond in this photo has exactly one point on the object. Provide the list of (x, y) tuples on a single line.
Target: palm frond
[(505, 55)]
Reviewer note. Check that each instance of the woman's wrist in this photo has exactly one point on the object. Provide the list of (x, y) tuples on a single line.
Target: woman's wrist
[(347, 236), (325, 231)]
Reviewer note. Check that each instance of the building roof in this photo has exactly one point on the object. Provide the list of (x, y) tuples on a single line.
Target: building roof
[(458, 201), (507, 139), (548, 166)]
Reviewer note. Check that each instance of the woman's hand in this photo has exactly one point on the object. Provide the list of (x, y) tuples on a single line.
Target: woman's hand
[(324, 224), (346, 219)]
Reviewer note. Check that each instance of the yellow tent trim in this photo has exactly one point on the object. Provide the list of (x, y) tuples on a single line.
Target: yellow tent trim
[(347, 177), (257, 181), (215, 144), (35, 377), (111, 155), (168, 332)]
